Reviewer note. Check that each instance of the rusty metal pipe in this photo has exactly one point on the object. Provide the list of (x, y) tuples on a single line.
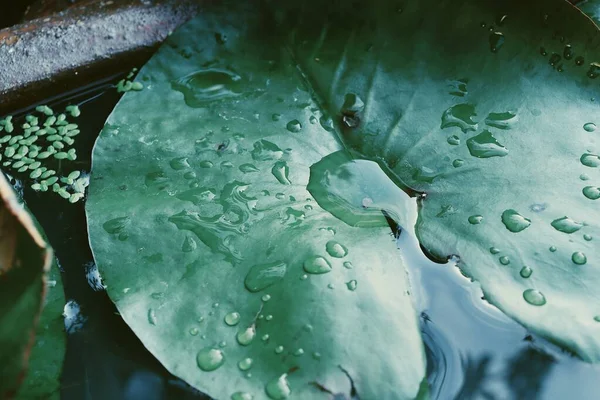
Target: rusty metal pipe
[(54, 54)]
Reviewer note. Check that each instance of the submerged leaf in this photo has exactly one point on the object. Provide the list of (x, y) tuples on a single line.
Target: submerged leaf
[(25, 260)]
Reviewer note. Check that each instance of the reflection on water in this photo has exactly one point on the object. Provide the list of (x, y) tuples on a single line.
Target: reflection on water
[(474, 351)]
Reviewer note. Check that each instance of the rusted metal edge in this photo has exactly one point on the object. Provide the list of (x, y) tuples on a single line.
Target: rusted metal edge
[(46, 56)]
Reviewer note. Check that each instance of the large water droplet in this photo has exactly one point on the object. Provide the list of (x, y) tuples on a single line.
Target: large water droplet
[(278, 388), (566, 225), (504, 120), (453, 140), (336, 249), (590, 126), (232, 319), (475, 219), (265, 150), (248, 168), (246, 336), (515, 222), (179, 163), (591, 192), (209, 359), (460, 115), (281, 172), (525, 272), (245, 364), (294, 126), (485, 145), (317, 265), (496, 41), (261, 276), (578, 258), (204, 86), (590, 160), (242, 396), (534, 297), (351, 285)]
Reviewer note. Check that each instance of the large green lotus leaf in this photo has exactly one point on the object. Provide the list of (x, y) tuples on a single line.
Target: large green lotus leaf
[(213, 249), (25, 260), (490, 109)]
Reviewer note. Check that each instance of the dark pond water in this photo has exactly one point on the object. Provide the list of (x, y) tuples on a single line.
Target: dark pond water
[(473, 350)]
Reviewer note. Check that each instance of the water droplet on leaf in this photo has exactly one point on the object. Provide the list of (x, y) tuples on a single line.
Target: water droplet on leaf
[(335, 249), (475, 219), (591, 192), (590, 160), (152, 316), (485, 145), (351, 285), (534, 297), (281, 172), (460, 115), (246, 336), (204, 86), (317, 265), (245, 364), (515, 222), (566, 225), (578, 258), (453, 140), (242, 396), (261, 276), (209, 359), (525, 272), (589, 127), (278, 388), (232, 319), (294, 126)]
